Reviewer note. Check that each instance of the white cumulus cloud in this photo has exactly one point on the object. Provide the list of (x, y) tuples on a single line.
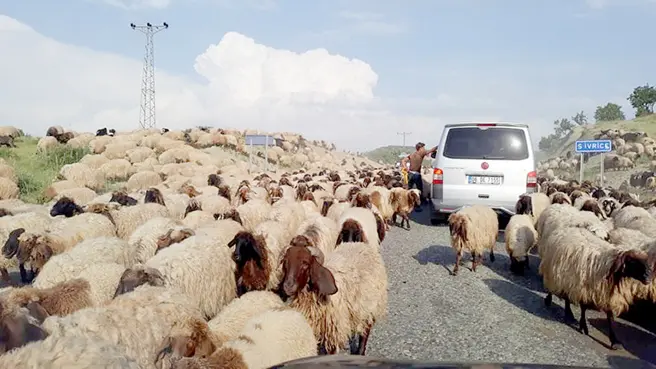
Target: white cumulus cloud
[(248, 85)]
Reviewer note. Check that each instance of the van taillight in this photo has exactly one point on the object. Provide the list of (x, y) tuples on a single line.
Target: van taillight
[(532, 179), (437, 176)]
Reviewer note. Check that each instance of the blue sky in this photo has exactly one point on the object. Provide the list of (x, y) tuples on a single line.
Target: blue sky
[(436, 62)]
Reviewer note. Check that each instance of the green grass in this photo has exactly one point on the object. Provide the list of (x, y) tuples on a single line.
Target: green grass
[(36, 171), (390, 154)]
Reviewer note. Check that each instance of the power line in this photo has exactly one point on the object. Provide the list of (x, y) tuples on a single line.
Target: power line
[(147, 113), (404, 134)]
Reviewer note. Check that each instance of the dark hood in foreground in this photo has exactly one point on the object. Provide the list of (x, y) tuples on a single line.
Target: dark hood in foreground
[(345, 361)]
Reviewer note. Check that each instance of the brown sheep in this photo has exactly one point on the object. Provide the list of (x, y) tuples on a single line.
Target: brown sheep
[(61, 299), (224, 191), (361, 200), (301, 189), (593, 206), (189, 190), (403, 202), (135, 277), (252, 261), (12, 247), (275, 194), (64, 137), (154, 195), (285, 181), (232, 214)]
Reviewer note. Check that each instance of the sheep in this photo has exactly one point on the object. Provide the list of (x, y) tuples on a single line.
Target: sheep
[(473, 228), (227, 325), (532, 204), (271, 338), (520, 237), (560, 198), (565, 216), (186, 266), (318, 232), (252, 213), (257, 255), (61, 299), (62, 236), (128, 219), (403, 202), (336, 306), (288, 212), (590, 272), (636, 218), (34, 222), (19, 326), (145, 240), (591, 205), (123, 198), (69, 352), (333, 209), (70, 263), (358, 225), (65, 206), (151, 312)]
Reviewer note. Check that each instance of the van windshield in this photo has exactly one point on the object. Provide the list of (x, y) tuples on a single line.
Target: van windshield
[(493, 143)]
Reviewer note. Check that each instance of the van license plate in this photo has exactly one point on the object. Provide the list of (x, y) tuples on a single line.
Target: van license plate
[(485, 180)]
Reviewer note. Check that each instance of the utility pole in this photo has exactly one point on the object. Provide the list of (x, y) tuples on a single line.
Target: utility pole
[(404, 134), (147, 113)]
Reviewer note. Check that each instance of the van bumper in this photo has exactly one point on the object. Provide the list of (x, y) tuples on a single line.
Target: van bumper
[(443, 209)]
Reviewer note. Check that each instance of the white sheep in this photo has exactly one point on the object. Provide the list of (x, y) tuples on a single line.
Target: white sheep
[(520, 237), (337, 306), (320, 232), (590, 272), (475, 229), (137, 321), (198, 266), (144, 240), (128, 218), (273, 337), (533, 204), (358, 225)]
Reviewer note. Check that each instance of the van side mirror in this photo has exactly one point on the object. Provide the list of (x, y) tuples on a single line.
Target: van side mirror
[(433, 155)]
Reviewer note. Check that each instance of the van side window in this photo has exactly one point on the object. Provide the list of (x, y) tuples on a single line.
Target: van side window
[(499, 143)]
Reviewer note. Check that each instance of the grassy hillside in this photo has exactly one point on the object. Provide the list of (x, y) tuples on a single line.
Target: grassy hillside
[(36, 171), (646, 124), (388, 154)]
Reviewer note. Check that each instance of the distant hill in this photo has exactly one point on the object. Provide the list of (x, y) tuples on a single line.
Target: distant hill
[(388, 154)]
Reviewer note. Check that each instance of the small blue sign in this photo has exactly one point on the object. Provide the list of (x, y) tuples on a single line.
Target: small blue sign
[(593, 146), (260, 140)]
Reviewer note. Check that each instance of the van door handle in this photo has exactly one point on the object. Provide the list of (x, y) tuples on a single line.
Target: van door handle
[(481, 196)]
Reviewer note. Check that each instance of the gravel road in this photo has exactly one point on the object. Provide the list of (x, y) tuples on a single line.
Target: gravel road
[(489, 315)]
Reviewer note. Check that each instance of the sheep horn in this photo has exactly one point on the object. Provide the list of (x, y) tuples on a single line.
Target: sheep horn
[(318, 254)]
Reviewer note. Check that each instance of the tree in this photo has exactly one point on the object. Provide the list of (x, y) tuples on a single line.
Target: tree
[(580, 118), (643, 99), (562, 127), (609, 112), (546, 142)]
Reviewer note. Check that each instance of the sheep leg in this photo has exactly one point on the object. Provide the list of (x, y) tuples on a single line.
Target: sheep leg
[(394, 219), (7, 278), (614, 342), (492, 257), (407, 221), (474, 261), (23, 273), (548, 299), (583, 324), (364, 337), (568, 310), (458, 259)]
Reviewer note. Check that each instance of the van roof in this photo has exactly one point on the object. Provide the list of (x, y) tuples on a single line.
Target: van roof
[(503, 124)]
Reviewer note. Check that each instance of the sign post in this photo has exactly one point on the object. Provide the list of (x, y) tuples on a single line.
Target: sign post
[(593, 146), (259, 140)]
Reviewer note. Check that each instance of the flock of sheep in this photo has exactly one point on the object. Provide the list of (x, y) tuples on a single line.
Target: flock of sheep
[(194, 262), (595, 245)]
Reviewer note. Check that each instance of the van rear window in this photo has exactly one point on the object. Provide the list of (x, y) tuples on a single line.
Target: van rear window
[(498, 143)]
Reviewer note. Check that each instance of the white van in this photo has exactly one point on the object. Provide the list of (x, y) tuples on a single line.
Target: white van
[(488, 164)]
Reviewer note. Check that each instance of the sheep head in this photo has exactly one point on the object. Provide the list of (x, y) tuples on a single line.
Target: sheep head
[(609, 206), (154, 195), (301, 240), (351, 232), (194, 205), (136, 276), (414, 197), (327, 203), (18, 328), (366, 181), (380, 227), (173, 235), (10, 248), (243, 193), (232, 214), (301, 269), (41, 251), (275, 194), (27, 242), (214, 180), (309, 196), (224, 191), (518, 265), (65, 206), (592, 205), (4, 212), (189, 190), (361, 200), (123, 198), (630, 264), (252, 260), (524, 205), (200, 343), (285, 181), (315, 187)]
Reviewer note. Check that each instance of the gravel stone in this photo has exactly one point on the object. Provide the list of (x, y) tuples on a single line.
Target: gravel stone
[(487, 316)]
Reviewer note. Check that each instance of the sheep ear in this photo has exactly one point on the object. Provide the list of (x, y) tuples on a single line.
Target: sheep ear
[(232, 242), (630, 264), (37, 311), (322, 279)]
